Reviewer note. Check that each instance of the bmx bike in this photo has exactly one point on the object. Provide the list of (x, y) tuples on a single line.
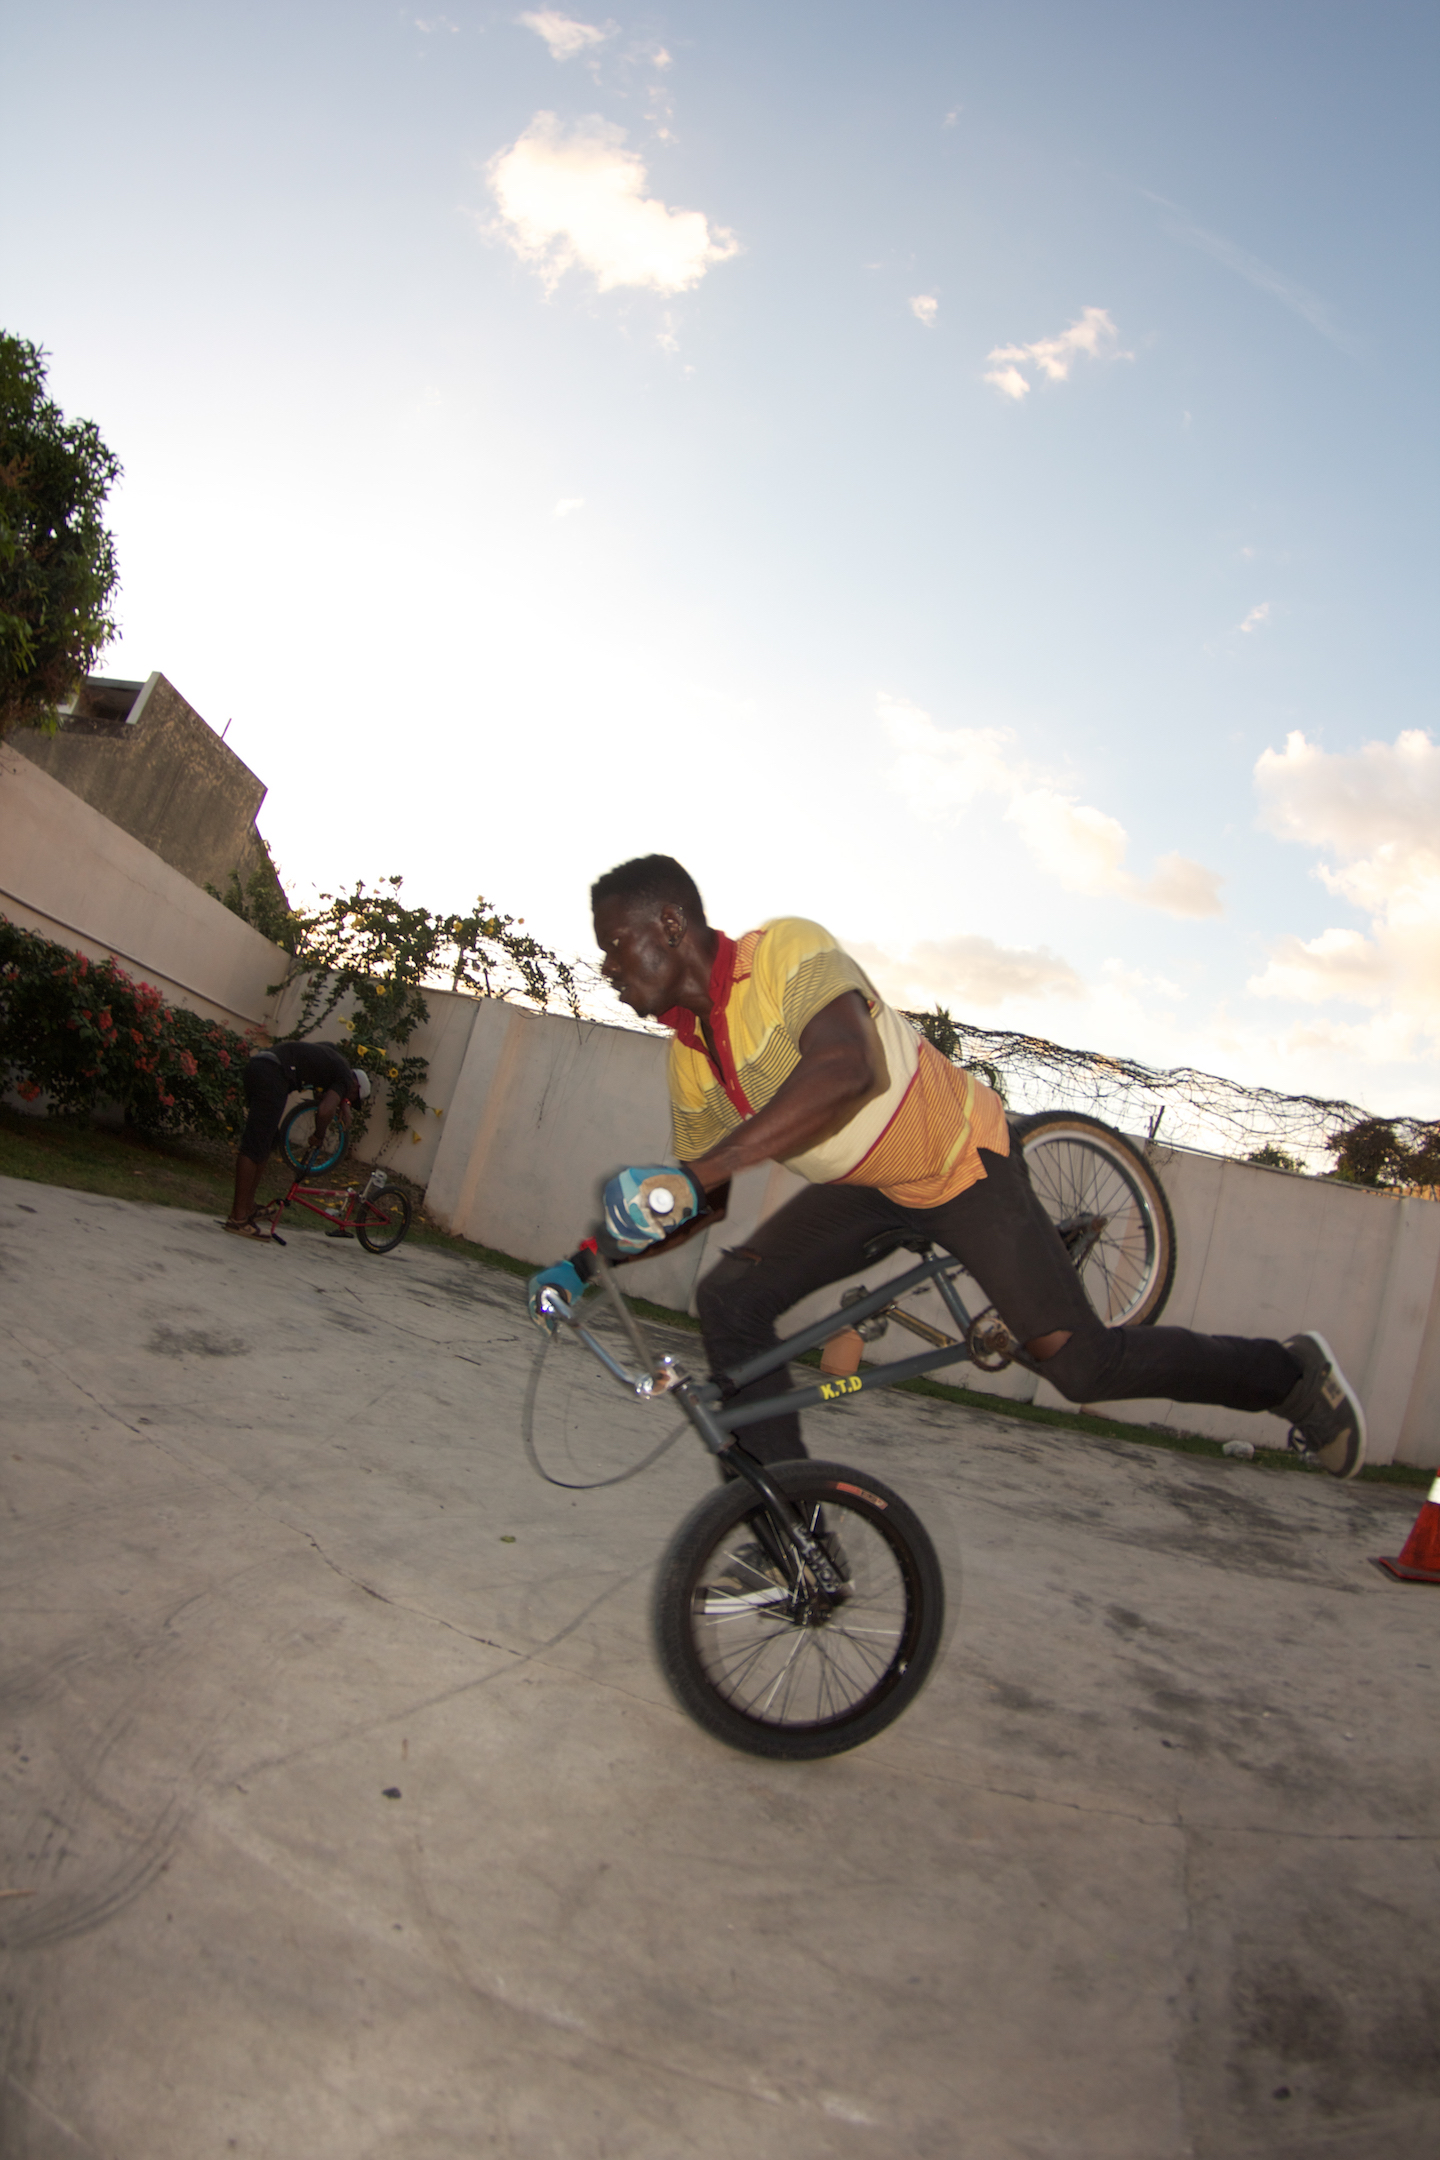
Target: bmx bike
[(378, 1214), (798, 1609)]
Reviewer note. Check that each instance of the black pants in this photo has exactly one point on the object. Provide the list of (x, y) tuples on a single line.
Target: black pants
[(266, 1093), (1002, 1236)]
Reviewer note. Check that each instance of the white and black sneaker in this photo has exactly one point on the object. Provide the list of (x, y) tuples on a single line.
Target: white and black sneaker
[(1326, 1420)]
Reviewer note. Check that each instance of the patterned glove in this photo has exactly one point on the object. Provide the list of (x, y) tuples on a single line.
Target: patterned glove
[(564, 1282), (644, 1205)]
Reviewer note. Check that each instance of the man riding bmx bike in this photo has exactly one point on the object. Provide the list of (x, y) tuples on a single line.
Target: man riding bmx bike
[(781, 1049)]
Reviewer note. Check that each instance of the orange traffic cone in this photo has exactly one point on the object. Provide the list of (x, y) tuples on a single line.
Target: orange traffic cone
[(1419, 1559)]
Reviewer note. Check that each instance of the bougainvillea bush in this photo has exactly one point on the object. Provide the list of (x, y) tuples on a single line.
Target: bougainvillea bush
[(83, 1032)]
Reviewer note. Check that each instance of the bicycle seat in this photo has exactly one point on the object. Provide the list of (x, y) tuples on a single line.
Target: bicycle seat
[(899, 1239)]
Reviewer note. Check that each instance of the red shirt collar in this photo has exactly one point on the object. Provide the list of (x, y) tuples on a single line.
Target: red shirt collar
[(686, 1024)]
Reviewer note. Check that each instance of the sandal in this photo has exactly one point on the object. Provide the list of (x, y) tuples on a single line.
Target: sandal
[(269, 1211), (249, 1228)]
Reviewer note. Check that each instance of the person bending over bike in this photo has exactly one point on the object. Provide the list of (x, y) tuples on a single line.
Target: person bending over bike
[(781, 1049), (269, 1079)]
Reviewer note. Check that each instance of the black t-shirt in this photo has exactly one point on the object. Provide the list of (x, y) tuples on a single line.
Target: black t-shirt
[(310, 1064)]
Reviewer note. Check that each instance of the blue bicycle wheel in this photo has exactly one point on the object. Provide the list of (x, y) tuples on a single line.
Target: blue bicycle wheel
[(297, 1137)]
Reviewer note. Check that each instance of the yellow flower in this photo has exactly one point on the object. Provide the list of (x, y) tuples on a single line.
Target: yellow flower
[(392, 1072), (415, 1139), (439, 1113)]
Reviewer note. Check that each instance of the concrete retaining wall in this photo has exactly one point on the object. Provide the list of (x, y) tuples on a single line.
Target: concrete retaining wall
[(77, 877)]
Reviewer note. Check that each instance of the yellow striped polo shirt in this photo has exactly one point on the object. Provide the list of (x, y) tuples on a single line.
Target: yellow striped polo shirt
[(917, 1140)]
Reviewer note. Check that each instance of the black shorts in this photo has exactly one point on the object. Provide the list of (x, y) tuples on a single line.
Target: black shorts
[(266, 1093)]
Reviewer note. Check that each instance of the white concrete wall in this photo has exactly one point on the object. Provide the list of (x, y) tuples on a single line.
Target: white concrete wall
[(1264, 1252), (68, 872), (545, 1109)]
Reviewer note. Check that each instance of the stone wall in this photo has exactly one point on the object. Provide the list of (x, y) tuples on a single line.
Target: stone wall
[(143, 757)]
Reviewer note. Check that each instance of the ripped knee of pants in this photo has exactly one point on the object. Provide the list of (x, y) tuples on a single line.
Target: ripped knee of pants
[(1085, 1368)]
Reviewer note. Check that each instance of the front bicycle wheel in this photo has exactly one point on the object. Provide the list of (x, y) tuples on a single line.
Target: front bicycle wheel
[(297, 1137), (382, 1222), (1109, 1208), (758, 1655)]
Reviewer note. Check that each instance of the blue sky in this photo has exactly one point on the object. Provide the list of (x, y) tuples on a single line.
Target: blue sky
[(964, 474)]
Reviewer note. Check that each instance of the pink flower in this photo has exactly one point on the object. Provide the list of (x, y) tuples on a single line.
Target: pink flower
[(188, 1065), (28, 1090)]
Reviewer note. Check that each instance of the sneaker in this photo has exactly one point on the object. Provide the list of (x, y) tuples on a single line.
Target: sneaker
[(1326, 1419)]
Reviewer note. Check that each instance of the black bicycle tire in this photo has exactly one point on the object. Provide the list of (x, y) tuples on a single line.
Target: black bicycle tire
[(843, 1493), (365, 1232), (1125, 1158), (296, 1156)]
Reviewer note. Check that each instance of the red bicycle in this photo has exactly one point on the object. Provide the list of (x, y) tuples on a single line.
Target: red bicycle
[(378, 1214)]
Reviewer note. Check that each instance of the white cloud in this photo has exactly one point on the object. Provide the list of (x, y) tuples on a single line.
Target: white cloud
[(925, 307), (1181, 887), (436, 22), (943, 771), (966, 971), (1286, 290), (1009, 382), (568, 505), (577, 200), (564, 36), (1256, 619), (1137, 984), (1094, 334), (1376, 813)]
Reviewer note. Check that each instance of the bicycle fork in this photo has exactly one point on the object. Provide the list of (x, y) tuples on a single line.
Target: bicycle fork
[(698, 1399)]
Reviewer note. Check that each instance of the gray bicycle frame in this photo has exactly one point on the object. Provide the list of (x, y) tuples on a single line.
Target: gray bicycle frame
[(720, 1424)]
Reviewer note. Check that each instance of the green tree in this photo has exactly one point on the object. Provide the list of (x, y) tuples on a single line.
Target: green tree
[(57, 561), (1271, 1157), (1387, 1151)]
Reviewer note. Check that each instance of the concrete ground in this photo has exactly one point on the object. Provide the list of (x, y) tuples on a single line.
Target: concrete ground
[(351, 1817)]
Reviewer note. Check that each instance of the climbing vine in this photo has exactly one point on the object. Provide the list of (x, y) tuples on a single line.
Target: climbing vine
[(369, 951)]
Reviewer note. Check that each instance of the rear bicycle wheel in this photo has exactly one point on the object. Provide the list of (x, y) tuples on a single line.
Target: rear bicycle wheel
[(382, 1222), (297, 1137), (1109, 1208), (768, 1663)]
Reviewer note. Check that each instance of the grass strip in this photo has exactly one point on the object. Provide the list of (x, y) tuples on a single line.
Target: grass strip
[(199, 1175)]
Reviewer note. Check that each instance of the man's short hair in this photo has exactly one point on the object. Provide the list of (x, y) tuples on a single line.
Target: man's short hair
[(656, 878)]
